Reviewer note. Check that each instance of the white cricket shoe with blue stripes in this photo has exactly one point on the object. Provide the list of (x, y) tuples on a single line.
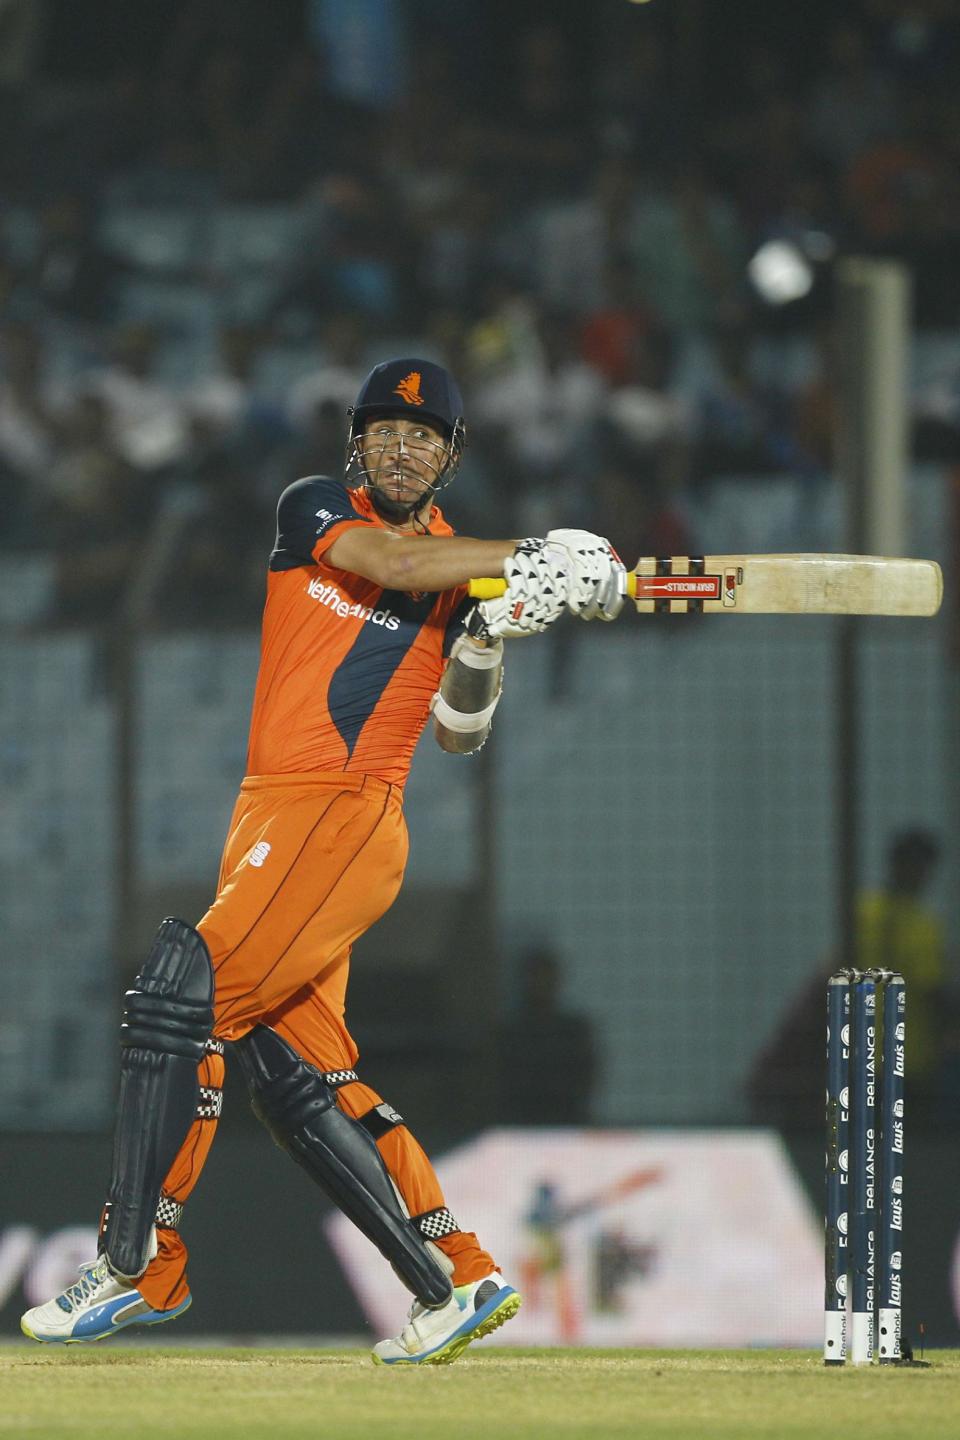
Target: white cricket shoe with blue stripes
[(95, 1306), (437, 1337)]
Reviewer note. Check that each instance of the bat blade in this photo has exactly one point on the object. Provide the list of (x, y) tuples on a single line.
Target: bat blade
[(786, 585), (812, 584)]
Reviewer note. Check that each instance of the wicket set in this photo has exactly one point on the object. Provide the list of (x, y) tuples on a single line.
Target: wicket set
[(863, 1221)]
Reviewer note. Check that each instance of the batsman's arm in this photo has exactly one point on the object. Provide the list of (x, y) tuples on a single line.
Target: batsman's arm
[(469, 693), (540, 576), (416, 562)]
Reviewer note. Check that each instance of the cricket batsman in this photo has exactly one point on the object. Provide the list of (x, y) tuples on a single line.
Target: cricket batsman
[(368, 630)]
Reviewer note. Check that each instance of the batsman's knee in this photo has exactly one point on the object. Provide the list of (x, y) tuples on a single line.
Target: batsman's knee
[(170, 1008), (286, 1094)]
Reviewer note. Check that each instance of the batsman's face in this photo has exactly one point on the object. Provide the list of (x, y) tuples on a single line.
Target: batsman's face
[(403, 458)]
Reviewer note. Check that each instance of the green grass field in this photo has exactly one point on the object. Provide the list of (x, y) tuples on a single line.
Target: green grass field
[(138, 1394)]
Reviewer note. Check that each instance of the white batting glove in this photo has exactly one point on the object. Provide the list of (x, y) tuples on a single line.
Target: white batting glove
[(538, 585), (596, 574)]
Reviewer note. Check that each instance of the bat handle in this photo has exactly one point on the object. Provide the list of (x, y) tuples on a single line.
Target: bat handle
[(491, 588), (487, 589)]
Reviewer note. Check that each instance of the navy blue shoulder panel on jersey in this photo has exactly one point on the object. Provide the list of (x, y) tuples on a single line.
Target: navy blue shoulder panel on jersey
[(307, 509), (366, 670)]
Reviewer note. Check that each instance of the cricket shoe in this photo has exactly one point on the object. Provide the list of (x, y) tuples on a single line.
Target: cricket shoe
[(438, 1337), (95, 1306)]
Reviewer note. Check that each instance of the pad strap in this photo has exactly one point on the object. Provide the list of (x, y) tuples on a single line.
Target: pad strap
[(434, 1224), (381, 1120), (210, 1104), (169, 1213)]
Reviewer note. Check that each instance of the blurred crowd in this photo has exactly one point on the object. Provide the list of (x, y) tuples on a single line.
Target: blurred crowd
[(217, 215)]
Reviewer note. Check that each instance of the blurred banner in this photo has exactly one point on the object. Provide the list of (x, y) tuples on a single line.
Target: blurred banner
[(619, 1237), (259, 1262), (652, 1238)]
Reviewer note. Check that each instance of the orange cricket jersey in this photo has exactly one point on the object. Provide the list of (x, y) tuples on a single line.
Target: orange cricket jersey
[(347, 669)]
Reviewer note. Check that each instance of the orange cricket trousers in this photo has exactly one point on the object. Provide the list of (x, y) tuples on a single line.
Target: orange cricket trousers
[(309, 864)]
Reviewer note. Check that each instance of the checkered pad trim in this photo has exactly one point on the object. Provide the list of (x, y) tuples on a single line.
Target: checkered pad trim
[(169, 1213), (210, 1103), (336, 1078), (434, 1224), (213, 1047)]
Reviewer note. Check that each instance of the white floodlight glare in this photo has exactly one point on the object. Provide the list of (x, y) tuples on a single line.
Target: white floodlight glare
[(780, 272)]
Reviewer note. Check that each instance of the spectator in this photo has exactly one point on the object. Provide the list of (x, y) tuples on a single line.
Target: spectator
[(224, 393), (646, 463), (504, 334), (27, 428), (352, 250), (21, 29), (690, 251), (548, 1064), (542, 410), (894, 931), (464, 230), (636, 103), (853, 105), (148, 423), (236, 93), (217, 564), (632, 491), (339, 374), (917, 42), (318, 446), (97, 514), (904, 197), (533, 135), (772, 152), (544, 403), (74, 276), (744, 426), (936, 414), (614, 334), (582, 242)]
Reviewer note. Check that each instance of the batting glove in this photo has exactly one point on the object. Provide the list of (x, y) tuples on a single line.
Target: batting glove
[(537, 576), (597, 574)]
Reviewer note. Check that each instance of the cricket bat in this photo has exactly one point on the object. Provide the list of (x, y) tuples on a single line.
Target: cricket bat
[(774, 585)]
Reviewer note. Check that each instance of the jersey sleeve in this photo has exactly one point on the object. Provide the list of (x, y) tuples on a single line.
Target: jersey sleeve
[(310, 515)]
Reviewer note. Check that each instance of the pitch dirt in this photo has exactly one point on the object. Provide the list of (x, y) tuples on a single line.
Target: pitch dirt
[(158, 1394)]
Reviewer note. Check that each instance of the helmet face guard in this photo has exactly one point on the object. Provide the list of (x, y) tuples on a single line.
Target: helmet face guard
[(411, 390)]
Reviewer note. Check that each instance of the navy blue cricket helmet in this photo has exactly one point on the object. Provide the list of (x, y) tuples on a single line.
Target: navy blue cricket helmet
[(414, 389)]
